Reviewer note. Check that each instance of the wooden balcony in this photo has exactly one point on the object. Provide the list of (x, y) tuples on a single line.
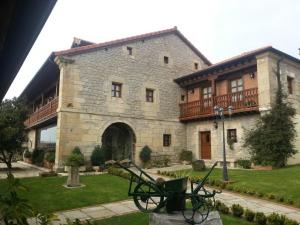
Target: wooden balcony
[(44, 113), (243, 101)]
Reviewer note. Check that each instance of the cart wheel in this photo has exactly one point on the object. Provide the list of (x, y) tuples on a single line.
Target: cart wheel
[(146, 198), (199, 207)]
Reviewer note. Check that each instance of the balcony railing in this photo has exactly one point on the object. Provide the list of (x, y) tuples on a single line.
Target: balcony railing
[(242, 101), (44, 113)]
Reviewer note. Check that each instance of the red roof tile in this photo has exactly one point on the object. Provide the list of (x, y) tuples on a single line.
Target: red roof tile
[(82, 49)]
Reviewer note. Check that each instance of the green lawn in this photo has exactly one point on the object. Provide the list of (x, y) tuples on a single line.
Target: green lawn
[(142, 219), (280, 182), (48, 194)]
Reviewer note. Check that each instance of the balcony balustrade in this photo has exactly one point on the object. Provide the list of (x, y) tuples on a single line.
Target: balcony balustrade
[(242, 101), (42, 114)]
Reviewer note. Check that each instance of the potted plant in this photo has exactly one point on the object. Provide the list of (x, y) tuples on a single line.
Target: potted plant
[(74, 161), (27, 156), (50, 160)]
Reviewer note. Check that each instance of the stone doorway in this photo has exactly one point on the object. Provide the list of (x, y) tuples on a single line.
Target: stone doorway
[(119, 141)]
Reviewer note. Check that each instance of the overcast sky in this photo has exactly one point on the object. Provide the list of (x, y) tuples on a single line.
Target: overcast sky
[(218, 28)]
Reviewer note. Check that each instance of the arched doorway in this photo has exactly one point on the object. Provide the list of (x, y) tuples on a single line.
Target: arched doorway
[(119, 142)]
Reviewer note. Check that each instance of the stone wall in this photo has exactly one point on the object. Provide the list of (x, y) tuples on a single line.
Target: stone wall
[(267, 86), (86, 106), (240, 123)]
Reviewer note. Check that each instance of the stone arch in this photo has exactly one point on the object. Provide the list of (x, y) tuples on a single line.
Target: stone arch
[(119, 140)]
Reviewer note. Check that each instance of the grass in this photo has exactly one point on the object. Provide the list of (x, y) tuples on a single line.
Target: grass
[(48, 194), (280, 182), (142, 219)]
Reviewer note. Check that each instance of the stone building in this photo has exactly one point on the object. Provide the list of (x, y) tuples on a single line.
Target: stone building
[(154, 89)]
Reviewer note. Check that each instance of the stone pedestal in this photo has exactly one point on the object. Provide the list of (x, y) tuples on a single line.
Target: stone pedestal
[(178, 219), (73, 177)]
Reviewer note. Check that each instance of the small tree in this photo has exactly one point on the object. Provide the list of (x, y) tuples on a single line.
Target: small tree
[(271, 141), (13, 113), (98, 157)]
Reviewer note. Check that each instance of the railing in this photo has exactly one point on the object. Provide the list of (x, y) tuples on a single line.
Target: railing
[(45, 112), (246, 100)]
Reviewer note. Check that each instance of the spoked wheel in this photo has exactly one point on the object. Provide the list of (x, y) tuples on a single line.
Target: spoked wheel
[(199, 207), (147, 199)]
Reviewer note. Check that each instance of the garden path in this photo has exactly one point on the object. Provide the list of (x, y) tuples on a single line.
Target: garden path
[(252, 203)]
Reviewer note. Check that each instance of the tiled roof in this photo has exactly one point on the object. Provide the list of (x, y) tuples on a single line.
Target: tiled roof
[(82, 49), (237, 58)]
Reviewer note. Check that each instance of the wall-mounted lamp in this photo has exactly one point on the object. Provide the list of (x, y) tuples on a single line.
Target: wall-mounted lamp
[(252, 75), (215, 124)]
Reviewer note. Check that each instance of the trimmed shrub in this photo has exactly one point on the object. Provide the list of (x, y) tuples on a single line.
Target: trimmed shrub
[(270, 196), (76, 159), (290, 222), (260, 218), (244, 163), (198, 165), (186, 156), (27, 154), (38, 157), (249, 215), (237, 210), (275, 219), (77, 150), (98, 156), (280, 198), (145, 154), (221, 207), (50, 157)]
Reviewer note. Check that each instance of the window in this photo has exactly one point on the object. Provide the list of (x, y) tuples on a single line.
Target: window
[(196, 66), (182, 97), (236, 85), (290, 85), (149, 95), (192, 91), (129, 50), (206, 92), (166, 59), (116, 90), (231, 135), (167, 140), (46, 137)]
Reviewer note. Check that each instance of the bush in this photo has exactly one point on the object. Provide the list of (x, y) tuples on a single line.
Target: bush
[(50, 157), (249, 215), (198, 165), (145, 154), (186, 156), (280, 198), (27, 154), (276, 219), (38, 157), (260, 218), (98, 156), (237, 210), (76, 158), (270, 196), (290, 222), (221, 207), (244, 163), (77, 150)]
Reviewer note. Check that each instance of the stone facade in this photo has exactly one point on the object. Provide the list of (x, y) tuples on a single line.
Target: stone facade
[(240, 123), (268, 86), (86, 106)]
